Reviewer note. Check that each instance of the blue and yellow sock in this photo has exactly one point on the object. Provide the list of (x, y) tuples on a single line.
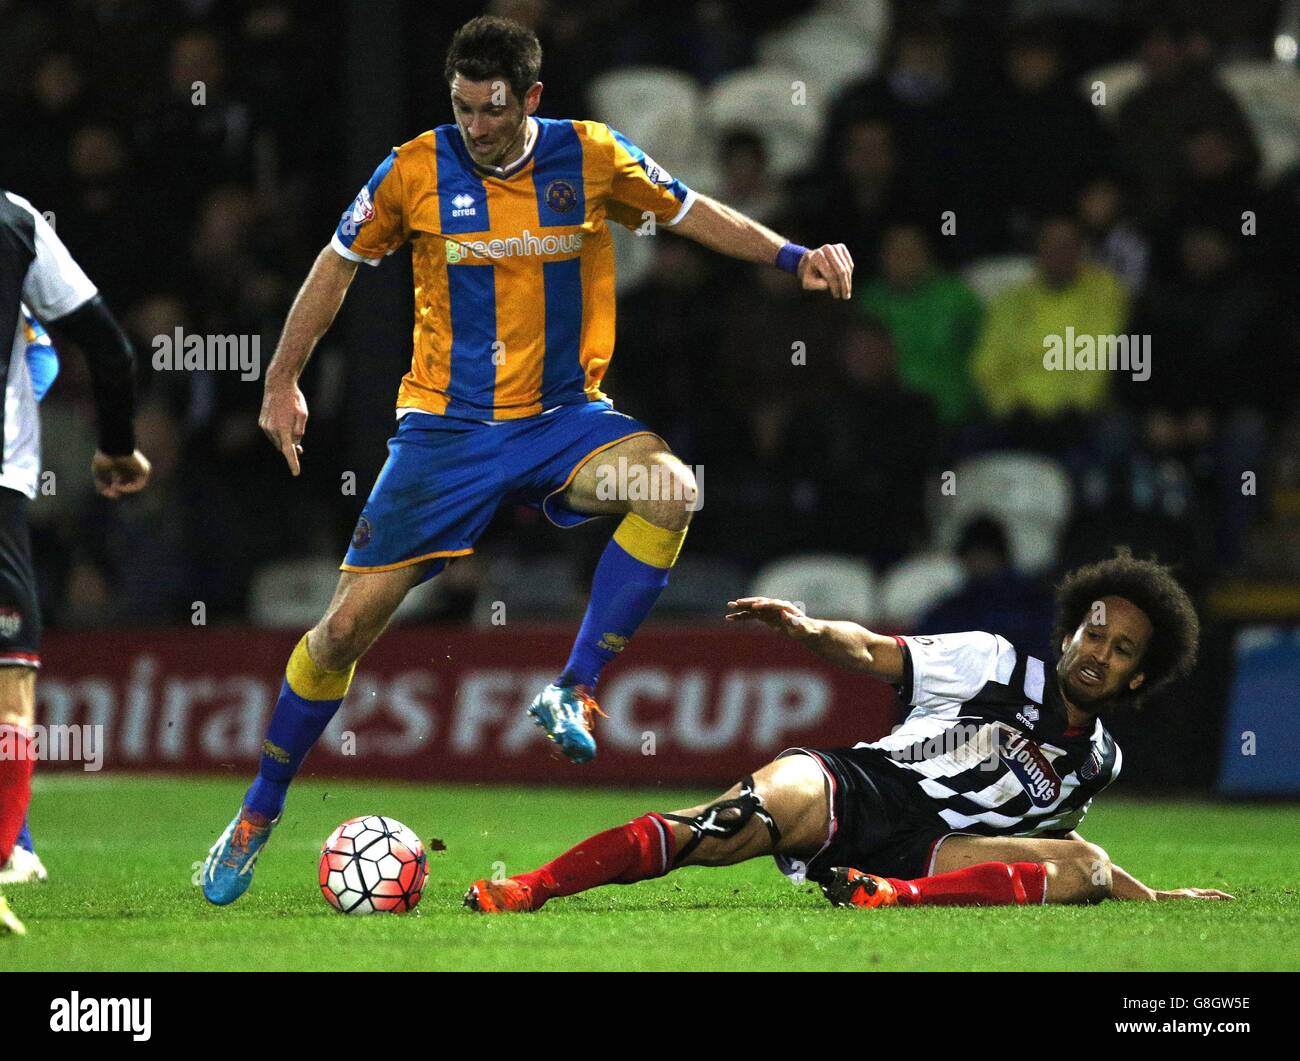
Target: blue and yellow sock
[(632, 572), (309, 697)]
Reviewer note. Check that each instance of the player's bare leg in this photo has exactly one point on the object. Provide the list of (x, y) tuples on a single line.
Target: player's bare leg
[(362, 606), (986, 871), (783, 808), (1077, 871), (317, 678), (676, 492), (17, 762), (1004, 870), (657, 499), (786, 811)]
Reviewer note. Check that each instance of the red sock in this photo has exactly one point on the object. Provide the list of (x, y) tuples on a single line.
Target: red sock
[(987, 884), (17, 760), (640, 850)]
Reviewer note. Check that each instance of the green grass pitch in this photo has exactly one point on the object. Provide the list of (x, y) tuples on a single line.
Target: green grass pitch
[(122, 854)]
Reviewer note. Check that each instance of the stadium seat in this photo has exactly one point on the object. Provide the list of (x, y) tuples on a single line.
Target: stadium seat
[(67, 436), (913, 586), (1287, 31), (420, 602), (1030, 494), (830, 586), (1120, 79), (870, 18), (820, 49), (759, 98), (295, 594), (1269, 93), (699, 588), (633, 258), (658, 109), (988, 276), (292, 593), (544, 587)]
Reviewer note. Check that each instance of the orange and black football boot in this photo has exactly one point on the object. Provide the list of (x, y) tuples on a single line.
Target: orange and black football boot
[(852, 887), (507, 896)]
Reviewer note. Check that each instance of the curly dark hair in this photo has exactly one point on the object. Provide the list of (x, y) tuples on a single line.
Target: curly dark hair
[(488, 47), (1149, 585)]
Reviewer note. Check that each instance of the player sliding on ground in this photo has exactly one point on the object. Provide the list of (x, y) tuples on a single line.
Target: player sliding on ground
[(507, 215), (973, 800)]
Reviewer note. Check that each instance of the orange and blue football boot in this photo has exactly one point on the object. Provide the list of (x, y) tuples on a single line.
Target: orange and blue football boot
[(566, 713), (499, 897), (228, 869), (852, 887)]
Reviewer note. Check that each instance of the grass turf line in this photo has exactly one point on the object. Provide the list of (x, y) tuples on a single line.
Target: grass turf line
[(123, 851)]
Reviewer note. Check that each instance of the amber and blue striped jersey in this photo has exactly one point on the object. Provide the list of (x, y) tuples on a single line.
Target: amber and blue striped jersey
[(513, 271)]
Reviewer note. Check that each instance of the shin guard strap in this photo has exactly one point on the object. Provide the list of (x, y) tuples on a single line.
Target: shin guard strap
[(714, 820)]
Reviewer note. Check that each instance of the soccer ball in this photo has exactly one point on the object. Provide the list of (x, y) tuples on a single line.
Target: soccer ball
[(373, 865)]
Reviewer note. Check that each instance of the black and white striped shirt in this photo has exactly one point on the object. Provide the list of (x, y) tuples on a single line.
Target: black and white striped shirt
[(987, 741), (37, 271)]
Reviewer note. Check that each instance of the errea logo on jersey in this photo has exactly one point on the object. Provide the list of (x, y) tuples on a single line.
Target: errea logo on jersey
[(463, 206), (1028, 716)]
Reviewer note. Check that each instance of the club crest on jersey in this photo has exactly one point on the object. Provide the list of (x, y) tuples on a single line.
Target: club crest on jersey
[(11, 621), (362, 535), (1032, 768), (462, 205), (363, 207), (561, 196)]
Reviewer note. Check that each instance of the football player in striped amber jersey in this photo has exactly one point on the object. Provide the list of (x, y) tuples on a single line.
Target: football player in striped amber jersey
[(507, 215)]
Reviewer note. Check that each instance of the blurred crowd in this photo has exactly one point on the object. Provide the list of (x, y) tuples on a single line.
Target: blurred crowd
[(986, 201)]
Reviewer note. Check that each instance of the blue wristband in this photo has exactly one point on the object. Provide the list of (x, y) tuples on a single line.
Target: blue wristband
[(789, 257)]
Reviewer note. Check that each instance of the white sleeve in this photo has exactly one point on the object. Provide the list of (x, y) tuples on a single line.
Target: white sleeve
[(947, 668), (55, 284), (349, 254)]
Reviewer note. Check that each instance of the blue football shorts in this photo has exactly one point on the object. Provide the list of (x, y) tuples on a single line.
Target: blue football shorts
[(445, 478)]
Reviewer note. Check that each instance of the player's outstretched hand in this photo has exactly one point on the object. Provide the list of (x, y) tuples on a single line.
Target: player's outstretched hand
[(118, 476), (781, 615), (828, 268), (1193, 893), (284, 420)]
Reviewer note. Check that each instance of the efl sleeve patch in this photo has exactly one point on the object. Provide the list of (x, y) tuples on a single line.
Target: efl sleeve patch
[(374, 225), (640, 188)]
